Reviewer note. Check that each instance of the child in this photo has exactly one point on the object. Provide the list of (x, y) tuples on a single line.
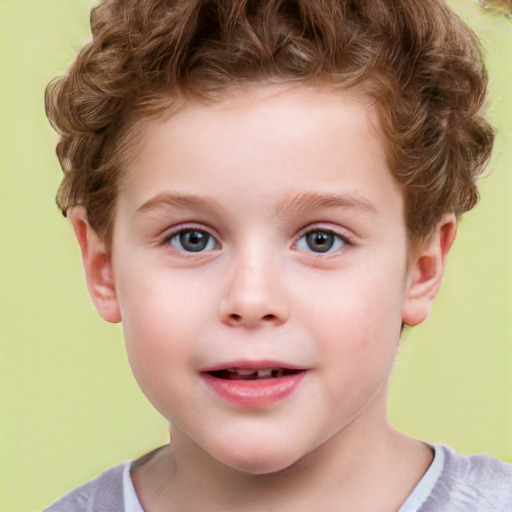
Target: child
[(265, 194)]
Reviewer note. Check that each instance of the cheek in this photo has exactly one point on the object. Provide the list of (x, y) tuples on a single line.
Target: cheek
[(356, 316), (154, 315), (159, 353), (359, 299), (165, 316), (154, 299)]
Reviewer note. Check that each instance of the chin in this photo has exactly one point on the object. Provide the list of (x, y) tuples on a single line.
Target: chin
[(258, 461), (260, 466)]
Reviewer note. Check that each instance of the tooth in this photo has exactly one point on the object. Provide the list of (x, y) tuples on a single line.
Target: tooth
[(245, 371), (267, 372)]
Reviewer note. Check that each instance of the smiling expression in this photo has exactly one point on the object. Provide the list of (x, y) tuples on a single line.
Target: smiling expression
[(260, 263)]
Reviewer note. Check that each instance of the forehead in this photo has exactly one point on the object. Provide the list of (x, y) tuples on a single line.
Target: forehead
[(262, 142)]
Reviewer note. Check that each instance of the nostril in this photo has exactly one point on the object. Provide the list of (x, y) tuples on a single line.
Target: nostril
[(236, 318)]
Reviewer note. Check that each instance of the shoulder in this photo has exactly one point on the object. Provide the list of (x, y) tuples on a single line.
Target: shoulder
[(466, 484), (104, 493)]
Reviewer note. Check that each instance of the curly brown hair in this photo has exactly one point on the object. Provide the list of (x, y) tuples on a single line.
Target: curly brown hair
[(417, 62)]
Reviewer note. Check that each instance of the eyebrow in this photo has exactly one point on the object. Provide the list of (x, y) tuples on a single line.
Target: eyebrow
[(311, 201), (292, 205), (169, 200)]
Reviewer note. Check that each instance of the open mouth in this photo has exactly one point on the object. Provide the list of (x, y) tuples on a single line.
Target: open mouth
[(253, 387), (253, 374)]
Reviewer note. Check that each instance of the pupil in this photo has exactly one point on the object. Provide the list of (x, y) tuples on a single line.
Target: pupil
[(320, 241), (193, 240)]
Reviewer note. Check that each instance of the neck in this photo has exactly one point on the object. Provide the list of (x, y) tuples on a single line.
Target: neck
[(335, 476)]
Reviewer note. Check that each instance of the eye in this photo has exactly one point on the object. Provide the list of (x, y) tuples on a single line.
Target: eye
[(320, 241), (192, 240)]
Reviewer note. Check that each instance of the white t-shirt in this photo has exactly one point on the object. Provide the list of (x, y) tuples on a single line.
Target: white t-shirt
[(130, 498)]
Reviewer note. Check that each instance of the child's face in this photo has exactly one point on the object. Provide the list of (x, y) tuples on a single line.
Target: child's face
[(265, 232)]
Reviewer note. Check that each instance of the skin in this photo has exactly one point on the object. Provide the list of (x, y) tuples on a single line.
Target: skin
[(258, 172)]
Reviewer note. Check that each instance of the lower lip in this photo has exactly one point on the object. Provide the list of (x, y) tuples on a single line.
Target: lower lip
[(254, 394)]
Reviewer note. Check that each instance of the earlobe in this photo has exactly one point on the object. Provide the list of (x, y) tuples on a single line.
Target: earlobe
[(426, 271), (96, 258)]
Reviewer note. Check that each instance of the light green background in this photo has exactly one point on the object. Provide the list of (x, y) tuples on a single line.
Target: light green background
[(69, 405)]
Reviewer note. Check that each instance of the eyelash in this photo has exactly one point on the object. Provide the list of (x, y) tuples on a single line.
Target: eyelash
[(344, 239), (167, 240)]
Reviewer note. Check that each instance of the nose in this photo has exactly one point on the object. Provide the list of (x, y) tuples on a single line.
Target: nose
[(254, 296)]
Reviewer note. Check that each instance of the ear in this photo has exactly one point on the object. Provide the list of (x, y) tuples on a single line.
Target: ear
[(426, 269), (96, 258)]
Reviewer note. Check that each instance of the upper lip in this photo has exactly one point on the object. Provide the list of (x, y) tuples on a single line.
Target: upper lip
[(253, 365)]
